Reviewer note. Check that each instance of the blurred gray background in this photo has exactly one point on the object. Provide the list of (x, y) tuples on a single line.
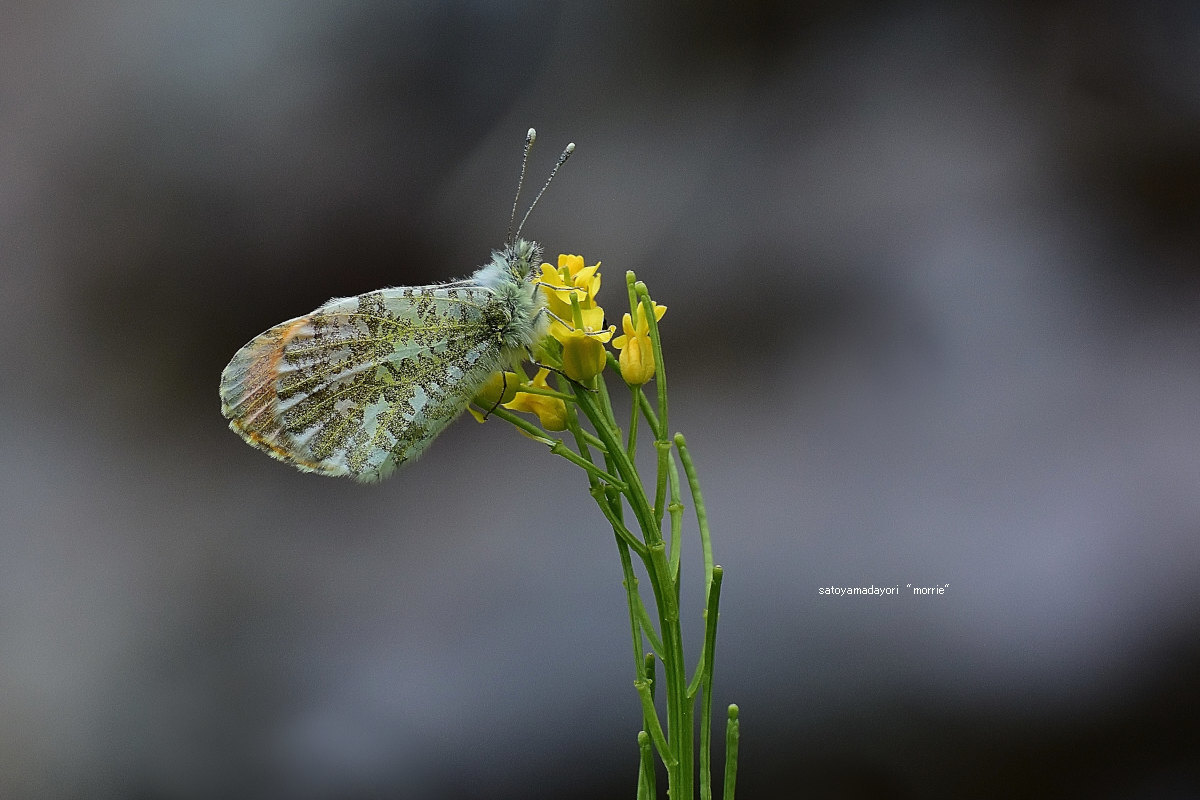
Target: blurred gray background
[(933, 272)]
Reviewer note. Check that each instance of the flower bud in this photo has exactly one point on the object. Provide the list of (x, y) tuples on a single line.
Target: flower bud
[(637, 359), (489, 395), (583, 356)]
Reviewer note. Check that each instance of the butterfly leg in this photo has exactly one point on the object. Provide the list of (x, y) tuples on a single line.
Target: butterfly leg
[(500, 397)]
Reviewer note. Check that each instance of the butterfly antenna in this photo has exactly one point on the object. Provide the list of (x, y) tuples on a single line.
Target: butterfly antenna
[(566, 153), (529, 139)]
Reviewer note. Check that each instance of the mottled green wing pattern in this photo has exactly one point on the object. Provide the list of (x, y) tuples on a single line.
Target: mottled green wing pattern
[(364, 384)]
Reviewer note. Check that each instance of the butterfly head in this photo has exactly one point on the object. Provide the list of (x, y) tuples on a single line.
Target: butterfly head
[(523, 257)]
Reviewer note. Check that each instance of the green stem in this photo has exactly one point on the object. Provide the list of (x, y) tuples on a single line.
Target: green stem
[(648, 628), (647, 790), (660, 369), (536, 433), (618, 526), (656, 731), (609, 503), (619, 484), (704, 669), (662, 450), (558, 448), (630, 583), (679, 713), (698, 499), (581, 436), (600, 386), (530, 389), (630, 283), (610, 437), (676, 511), (660, 382), (631, 447), (651, 417), (591, 438), (704, 680), (732, 731)]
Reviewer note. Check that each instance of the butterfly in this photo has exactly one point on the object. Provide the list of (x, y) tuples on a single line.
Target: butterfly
[(364, 384)]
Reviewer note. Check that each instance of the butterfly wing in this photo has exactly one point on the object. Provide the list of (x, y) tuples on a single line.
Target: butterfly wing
[(364, 384)]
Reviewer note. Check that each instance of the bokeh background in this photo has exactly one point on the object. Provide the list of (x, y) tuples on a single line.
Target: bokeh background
[(933, 272)]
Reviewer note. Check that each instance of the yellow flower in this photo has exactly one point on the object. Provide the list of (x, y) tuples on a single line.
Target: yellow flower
[(637, 351), (570, 279), (583, 356), (573, 273), (658, 312), (576, 320), (551, 411), (488, 396), (592, 319)]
